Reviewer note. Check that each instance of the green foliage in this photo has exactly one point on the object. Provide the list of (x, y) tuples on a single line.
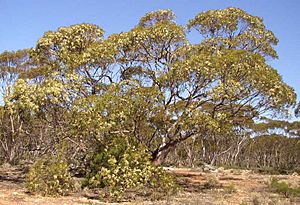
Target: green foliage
[(283, 188), (49, 176), (123, 165), (172, 89), (231, 27), (163, 182), (11, 64)]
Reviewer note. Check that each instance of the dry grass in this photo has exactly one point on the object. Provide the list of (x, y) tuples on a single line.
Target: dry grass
[(218, 187)]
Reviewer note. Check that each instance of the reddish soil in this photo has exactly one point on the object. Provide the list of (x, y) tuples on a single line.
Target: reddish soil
[(211, 187)]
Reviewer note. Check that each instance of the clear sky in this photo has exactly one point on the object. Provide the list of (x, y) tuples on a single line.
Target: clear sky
[(23, 22)]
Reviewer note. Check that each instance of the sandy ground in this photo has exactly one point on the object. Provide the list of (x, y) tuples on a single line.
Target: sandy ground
[(228, 187)]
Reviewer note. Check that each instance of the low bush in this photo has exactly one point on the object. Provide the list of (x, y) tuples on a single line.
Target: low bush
[(211, 183), (49, 176), (120, 166), (230, 189), (283, 188)]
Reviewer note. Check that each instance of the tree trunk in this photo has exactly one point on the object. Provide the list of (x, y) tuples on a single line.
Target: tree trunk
[(160, 156), (161, 153)]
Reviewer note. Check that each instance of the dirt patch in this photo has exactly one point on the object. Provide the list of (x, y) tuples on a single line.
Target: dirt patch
[(214, 187)]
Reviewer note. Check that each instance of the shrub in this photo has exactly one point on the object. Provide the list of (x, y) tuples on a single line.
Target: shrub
[(283, 188), (211, 183), (49, 176), (230, 189), (121, 165)]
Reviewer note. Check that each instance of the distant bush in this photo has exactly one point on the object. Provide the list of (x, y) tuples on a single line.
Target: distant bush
[(49, 176), (211, 183), (121, 165), (266, 170), (283, 188), (230, 189)]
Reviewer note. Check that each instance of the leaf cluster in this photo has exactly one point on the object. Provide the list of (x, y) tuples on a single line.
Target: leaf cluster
[(50, 176)]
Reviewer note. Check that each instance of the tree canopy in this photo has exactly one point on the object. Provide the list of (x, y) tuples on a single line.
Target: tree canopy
[(149, 83)]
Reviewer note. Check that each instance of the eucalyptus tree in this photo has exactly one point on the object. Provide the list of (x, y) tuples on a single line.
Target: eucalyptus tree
[(150, 83), (224, 80), (11, 138)]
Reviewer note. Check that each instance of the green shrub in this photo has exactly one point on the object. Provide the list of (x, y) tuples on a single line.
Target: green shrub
[(121, 165), (283, 188), (230, 189), (49, 176)]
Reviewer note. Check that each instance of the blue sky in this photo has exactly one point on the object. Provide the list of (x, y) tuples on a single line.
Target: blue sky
[(23, 22)]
